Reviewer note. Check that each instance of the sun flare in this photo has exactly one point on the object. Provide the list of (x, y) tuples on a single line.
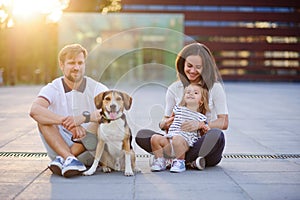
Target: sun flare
[(26, 9)]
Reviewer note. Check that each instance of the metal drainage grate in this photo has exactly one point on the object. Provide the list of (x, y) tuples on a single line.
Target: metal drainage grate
[(23, 154), (249, 156), (231, 156), (245, 156)]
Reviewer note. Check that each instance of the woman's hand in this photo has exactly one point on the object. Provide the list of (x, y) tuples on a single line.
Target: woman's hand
[(191, 126)]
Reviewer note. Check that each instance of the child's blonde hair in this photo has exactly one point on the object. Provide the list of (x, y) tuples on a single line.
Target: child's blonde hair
[(204, 107)]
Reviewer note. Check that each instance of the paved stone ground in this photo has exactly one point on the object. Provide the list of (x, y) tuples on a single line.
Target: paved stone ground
[(264, 120)]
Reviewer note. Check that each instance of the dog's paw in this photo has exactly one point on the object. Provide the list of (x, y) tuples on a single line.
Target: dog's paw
[(137, 170), (88, 173), (130, 173), (106, 169), (117, 166)]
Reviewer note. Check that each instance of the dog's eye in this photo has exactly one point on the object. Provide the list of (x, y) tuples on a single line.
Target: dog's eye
[(119, 99), (107, 99)]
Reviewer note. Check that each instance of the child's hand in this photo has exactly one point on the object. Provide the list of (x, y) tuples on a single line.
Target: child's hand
[(203, 129), (166, 122)]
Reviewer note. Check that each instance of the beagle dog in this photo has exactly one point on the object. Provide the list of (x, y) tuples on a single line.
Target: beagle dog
[(114, 135)]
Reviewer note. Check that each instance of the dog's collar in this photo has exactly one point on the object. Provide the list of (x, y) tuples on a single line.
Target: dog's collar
[(105, 119)]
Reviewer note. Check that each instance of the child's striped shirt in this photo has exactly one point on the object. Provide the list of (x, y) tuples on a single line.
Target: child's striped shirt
[(184, 114)]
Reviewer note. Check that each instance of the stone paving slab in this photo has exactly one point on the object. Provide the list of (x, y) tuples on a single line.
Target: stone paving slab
[(264, 120)]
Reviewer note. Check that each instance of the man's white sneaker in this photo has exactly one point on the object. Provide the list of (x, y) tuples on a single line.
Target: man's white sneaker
[(72, 167), (56, 165)]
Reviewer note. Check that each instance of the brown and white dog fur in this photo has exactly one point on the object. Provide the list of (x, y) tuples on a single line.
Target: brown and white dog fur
[(114, 135)]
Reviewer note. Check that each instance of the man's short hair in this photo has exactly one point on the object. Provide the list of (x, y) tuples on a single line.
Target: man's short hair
[(71, 51)]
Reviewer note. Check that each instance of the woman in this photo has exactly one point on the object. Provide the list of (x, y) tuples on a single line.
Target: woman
[(195, 64)]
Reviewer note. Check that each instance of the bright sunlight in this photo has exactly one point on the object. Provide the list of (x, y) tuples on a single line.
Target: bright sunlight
[(14, 10)]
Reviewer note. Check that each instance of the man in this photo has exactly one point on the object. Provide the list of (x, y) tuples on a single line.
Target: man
[(64, 110)]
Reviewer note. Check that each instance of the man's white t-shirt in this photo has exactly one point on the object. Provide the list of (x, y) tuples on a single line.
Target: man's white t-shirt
[(73, 102), (217, 99)]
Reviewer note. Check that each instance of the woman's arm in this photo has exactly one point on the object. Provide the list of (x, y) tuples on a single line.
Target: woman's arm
[(170, 101), (221, 122)]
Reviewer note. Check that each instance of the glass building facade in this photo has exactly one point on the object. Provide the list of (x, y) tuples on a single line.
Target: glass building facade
[(257, 40)]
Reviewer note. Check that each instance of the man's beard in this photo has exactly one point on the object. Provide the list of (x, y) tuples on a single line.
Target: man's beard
[(74, 79)]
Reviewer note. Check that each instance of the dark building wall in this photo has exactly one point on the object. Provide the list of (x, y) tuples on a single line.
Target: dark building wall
[(251, 40)]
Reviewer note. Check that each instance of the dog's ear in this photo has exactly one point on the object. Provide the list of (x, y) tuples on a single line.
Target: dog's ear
[(98, 100), (127, 100)]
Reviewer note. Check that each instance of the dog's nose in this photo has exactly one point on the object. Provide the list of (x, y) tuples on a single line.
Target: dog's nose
[(113, 107)]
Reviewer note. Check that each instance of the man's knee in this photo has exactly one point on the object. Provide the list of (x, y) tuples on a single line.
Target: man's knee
[(47, 129)]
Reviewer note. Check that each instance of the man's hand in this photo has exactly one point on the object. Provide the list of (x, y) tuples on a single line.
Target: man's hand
[(95, 116), (78, 132), (71, 122)]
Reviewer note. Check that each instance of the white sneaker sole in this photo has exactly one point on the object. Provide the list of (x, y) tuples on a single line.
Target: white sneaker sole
[(200, 163), (177, 171), (72, 171), (55, 169)]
